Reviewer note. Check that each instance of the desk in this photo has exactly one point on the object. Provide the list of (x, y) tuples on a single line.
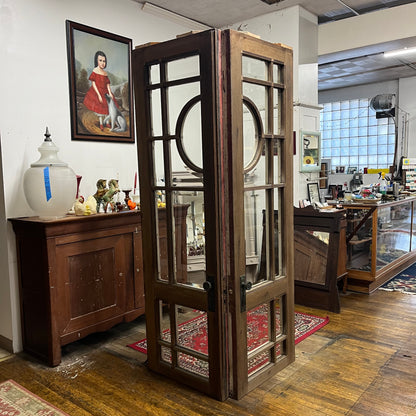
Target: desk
[(320, 256)]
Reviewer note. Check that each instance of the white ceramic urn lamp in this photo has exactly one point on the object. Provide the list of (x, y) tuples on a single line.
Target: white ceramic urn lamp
[(50, 185)]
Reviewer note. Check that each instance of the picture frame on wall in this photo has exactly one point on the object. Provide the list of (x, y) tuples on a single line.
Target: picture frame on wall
[(310, 144), (100, 84), (313, 193)]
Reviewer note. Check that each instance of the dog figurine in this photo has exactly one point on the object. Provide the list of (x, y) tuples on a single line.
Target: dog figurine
[(115, 117)]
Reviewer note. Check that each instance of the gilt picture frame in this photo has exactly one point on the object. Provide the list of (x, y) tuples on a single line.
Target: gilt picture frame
[(100, 84)]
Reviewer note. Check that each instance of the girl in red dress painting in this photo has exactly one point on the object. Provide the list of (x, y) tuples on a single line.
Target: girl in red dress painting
[(100, 85)]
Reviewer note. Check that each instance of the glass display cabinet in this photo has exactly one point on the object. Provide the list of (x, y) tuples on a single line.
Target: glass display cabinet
[(380, 242)]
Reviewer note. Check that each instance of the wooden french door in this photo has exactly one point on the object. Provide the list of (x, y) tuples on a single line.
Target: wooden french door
[(214, 132)]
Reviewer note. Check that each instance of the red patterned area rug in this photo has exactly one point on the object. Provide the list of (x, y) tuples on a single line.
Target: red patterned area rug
[(15, 400), (404, 282), (193, 333)]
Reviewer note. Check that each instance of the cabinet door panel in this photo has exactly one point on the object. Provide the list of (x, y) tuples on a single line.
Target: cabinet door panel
[(92, 281)]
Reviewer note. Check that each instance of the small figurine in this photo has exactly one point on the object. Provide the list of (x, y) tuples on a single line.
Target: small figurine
[(88, 207), (104, 196)]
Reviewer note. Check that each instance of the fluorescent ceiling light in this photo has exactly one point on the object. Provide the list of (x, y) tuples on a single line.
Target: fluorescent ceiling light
[(399, 52)]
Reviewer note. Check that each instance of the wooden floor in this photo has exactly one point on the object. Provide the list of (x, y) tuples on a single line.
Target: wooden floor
[(362, 363)]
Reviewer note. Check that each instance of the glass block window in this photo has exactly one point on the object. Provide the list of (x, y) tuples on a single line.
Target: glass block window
[(352, 136)]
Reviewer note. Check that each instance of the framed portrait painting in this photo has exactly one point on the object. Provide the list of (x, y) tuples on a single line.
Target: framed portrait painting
[(100, 90)]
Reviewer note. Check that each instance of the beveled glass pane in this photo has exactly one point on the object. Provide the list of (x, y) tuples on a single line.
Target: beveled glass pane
[(192, 335), (193, 364), (192, 135), (258, 362), (165, 322), (256, 175), (279, 317), (277, 111), (158, 161), (254, 68), (277, 163), (178, 96), (190, 237), (258, 326), (163, 265), (277, 232), (183, 68), (156, 112), (277, 73), (192, 329), (154, 73), (258, 94), (255, 236), (250, 136)]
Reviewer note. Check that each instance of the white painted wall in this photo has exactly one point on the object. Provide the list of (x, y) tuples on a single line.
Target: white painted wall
[(35, 93), (368, 29), (297, 28)]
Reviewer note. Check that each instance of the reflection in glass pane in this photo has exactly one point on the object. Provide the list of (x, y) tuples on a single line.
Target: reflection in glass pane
[(193, 364), (393, 235), (256, 176), (277, 73), (258, 94), (279, 317), (277, 112), (360, 246), (192, 335), (183, 68), (178, 96), (258, 325), (192, 329), (164, 335), (277, 165), (258, 362), (156, 112), (255, 237), (158, 162), (414, 228), (191, 236), (277, 240), (154, 73), (192, 135), (311, 251), (254, 68), (250, 136), (163, 265)]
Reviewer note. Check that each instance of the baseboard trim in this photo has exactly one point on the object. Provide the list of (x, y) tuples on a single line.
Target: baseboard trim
[(6, 344)]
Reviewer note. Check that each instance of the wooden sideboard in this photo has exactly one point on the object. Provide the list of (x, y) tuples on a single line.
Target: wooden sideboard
[(83, 274)]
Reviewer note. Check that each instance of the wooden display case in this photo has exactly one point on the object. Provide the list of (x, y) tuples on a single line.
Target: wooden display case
[(320, 254), (380, 241), (83, 274)]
